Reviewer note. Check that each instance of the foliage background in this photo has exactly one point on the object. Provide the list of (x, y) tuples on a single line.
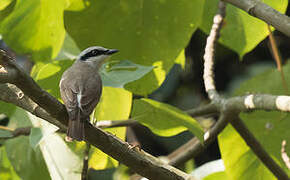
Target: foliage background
[(168, 37)]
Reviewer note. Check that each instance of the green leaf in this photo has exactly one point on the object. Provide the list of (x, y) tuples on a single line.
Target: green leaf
[(7, 108), (270, 128), (143, 31), (35, 137), (49, 75), (115, 104), (122, 73), (5, 133), (181, 59), (163, 119), (4, 4), (241, 32), (69, 49), (6, 7), (35, 27), (122, 172), (217, 176), (28, 163), (7, 172)]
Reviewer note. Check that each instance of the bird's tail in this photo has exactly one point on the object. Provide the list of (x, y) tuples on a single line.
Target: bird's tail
[(76, 126)]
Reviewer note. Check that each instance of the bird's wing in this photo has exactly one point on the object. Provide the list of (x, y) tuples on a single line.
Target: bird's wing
[(90, 94), (68, 94)]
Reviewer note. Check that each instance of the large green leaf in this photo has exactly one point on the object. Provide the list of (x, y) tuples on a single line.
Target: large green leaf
[(241, 32), (49, 75), (217, 176), (270, 128), (35, 27), (144, 32), (122, 72), (4, 4), (69, 49), (27, 162), (7, 108), (5, 133), (163, 119), (7, 172), (115, 104), (6, 7)]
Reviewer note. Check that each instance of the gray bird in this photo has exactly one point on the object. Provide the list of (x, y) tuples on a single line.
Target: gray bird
[(81, 88)]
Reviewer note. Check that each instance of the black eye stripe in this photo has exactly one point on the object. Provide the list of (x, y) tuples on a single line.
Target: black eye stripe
[(92, 53)]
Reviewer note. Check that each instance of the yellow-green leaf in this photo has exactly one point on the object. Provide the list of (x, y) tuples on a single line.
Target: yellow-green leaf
[(163, 119)]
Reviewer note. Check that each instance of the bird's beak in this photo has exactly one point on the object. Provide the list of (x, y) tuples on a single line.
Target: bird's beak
[(112, 51)]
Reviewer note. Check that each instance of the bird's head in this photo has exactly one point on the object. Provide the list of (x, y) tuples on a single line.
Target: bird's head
[(95, 55)]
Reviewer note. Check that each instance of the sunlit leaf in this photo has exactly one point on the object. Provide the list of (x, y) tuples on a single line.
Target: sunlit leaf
[(4, 4), (35, 27), (7, 171), (122, 73), (114, 105), (217, 176), (163, 119), (144, 32)]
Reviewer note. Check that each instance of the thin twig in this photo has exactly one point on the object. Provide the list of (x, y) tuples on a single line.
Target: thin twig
[(258, 149), (5, 128), (204, 110), (116, 123), (277, 58)]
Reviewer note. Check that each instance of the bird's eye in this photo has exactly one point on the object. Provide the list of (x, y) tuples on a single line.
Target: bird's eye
[(95, 52)]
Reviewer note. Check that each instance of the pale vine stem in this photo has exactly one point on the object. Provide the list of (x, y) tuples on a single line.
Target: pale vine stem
[(284, 155)]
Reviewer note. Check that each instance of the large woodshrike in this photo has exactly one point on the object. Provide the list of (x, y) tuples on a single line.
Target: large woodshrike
[(81, 89)]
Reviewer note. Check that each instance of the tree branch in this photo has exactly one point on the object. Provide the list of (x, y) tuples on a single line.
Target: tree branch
[(139, 161), (264, 12)]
